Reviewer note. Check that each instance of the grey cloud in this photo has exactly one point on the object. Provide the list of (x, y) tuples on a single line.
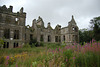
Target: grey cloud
[(57, 11)]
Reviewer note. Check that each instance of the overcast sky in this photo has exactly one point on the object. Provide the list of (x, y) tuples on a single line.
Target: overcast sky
[(57, 11)]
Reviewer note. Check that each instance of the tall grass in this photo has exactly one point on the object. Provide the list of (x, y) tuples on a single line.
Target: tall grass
[(52, 55)]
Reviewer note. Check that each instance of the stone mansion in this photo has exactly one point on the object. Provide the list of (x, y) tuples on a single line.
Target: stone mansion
[(14, 32)]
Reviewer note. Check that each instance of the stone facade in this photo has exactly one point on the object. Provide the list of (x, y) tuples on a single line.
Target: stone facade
[(14, 32), (12, 27), (68, 34)]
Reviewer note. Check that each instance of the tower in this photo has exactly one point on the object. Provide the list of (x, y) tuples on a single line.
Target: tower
[(73, 31)]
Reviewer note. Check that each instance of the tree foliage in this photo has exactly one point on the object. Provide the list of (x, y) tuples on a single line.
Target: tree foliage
[(85, 35), (95, 25)]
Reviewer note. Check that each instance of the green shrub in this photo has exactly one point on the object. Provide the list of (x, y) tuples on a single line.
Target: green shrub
[(33, 45), (68, 54), (58, 44), (41, 44), (26, 46)]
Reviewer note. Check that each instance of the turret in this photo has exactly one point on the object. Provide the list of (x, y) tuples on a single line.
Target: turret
[(34, 23), (10, 8), (72, 26), (40, 22), (49, 26), (21, 10), (72, 22)]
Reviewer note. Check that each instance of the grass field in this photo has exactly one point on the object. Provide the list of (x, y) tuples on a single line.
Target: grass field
[(52, 55)]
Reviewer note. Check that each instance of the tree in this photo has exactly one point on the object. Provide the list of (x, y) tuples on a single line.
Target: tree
[(95, 25), (85, 35)]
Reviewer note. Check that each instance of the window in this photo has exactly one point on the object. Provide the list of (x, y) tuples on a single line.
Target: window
[(31, 37), (49, 38), (7, 33), (16, 34), (64, 37), (15, 45), (6, 45), (76, 30), (56, 38), (73, 28), (16, 19), (41, 38)]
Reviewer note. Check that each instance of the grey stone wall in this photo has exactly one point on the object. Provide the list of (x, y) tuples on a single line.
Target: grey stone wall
[(17, 33), (12, 21)]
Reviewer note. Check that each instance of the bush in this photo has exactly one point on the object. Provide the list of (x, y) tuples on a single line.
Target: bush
[(2, 59), (26, 46), (33, 45), (58, 44), (41, 44)]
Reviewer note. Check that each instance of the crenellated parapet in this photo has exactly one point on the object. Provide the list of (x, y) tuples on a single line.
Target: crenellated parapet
[(4, 9), (9, 17)]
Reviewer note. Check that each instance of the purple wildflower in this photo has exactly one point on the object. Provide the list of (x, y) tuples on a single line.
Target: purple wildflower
[(16, 65), (73, 57), (7, 57), (66, 60), (59, 49)]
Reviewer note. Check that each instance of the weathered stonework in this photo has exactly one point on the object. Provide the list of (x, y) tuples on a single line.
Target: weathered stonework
[(12, 27), (14, 32)]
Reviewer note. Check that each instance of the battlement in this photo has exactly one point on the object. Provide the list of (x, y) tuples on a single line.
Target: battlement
[(7, 16), (4, 9)]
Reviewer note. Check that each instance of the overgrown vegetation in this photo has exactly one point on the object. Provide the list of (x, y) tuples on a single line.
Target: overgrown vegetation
[(1, 43), (41, 54), (86, 35), (50, 55)]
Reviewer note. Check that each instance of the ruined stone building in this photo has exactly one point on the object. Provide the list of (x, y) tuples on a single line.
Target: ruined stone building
[(12, 26), (14, 32)]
